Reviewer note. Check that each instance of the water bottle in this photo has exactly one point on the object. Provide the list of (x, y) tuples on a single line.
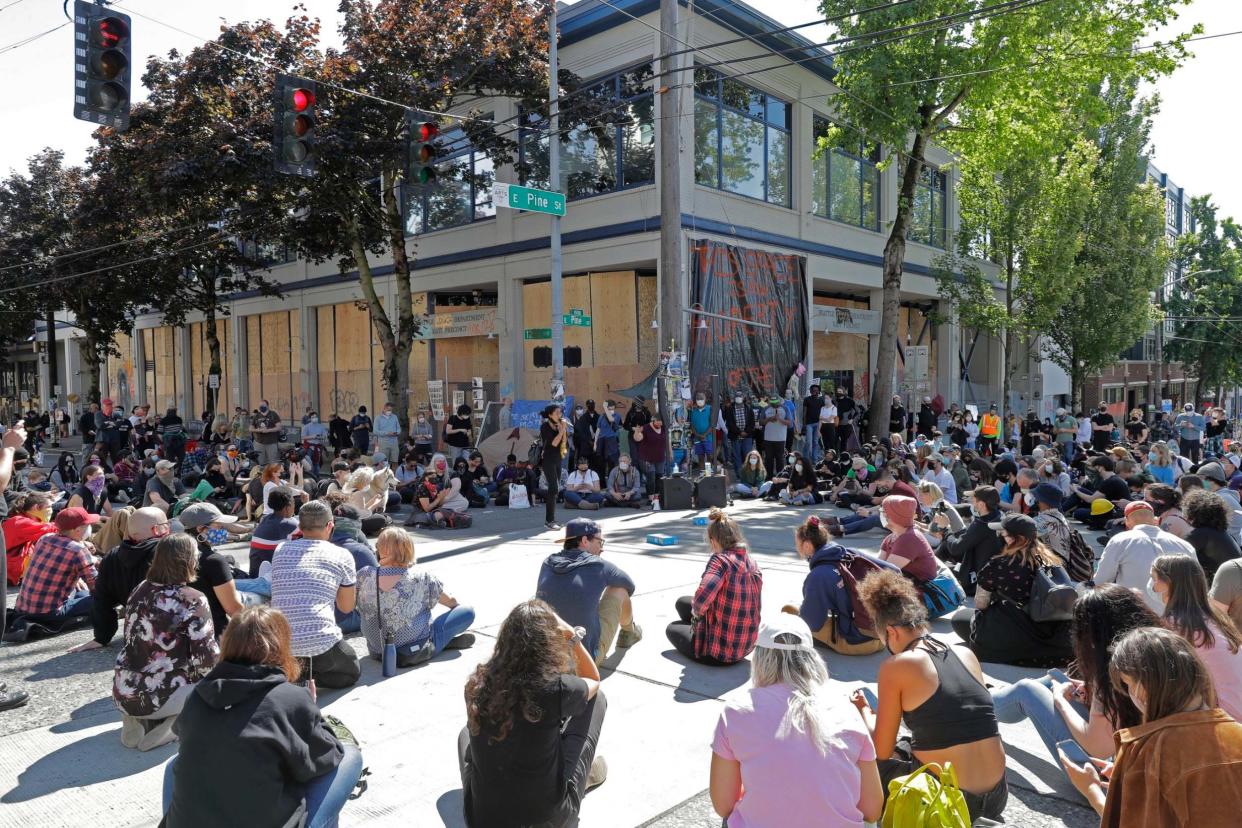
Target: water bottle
[(655, 503), (390, 658), (707, 469)]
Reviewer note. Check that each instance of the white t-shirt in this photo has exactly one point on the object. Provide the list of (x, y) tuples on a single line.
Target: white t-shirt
[(828, 413), (586, 478)]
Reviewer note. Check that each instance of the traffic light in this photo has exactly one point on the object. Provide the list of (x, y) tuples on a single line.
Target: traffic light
[(424, 149), (101, 65), (293, 147)]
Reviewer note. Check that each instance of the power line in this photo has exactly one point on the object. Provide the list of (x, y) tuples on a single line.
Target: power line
[(31, 39)]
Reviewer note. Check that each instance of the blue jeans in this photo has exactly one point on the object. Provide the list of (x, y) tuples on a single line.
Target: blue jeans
[(810, 442), (449, 625), (257, 586), (752, 491), (1067, 451), (78, 604), (349, 623), (325, 795), (1032, 699), (574, 498), (853, 524), (742, 446)]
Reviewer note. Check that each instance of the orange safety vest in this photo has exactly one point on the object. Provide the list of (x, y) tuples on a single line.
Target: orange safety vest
[(989, 425)]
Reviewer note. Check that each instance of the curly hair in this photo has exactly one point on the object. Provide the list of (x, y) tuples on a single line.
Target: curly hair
[(530, 653), (1204, 509), (891, 600)]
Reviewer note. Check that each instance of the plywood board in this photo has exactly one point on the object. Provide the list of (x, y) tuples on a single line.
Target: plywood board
[(648, 339), (254, 362), (613, 329)]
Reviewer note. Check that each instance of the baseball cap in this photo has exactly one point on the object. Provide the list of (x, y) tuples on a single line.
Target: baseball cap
[(1136, 505), (106, 401), (1214, 472), (379, 458), (1020, 526), (165, 465), (1188, 407), (1100, 507), (203, 514), (580, 528), (67, 520), (1234, 459), (785, 624)]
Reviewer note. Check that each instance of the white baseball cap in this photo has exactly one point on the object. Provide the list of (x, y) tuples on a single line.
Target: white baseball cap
[(785, 624)]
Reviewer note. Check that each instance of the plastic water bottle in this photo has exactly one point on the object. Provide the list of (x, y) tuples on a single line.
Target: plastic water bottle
[(655, 503), (707, 469)]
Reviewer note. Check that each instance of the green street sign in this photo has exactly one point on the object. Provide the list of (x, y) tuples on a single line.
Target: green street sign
[(528, 198), (537, 333), (576, 321)]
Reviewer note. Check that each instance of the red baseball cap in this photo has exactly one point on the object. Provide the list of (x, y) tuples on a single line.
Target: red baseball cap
[(74, 517), (1136, 505)]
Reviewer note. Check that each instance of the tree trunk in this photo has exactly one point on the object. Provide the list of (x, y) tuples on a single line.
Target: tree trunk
[(894, 264), (90, 358), (213, 347), (397, 367)]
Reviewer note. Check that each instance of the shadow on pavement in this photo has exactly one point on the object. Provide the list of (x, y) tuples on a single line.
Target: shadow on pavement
[(88, 715), (699, 683), (68, 665), (88, 761)]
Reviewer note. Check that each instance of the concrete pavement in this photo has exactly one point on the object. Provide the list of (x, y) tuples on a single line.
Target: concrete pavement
[(61, 761)]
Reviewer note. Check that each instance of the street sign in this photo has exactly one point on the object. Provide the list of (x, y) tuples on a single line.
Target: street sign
[(576, 321), (528, 198), (537, 333)]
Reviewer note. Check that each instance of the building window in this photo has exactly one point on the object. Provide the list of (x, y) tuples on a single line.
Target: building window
[(462, 192), (741, 138), (589, 165), (929, 220), (845, 181)]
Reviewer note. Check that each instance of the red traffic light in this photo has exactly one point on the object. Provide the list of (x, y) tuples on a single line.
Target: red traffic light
[(428, 131), (109, 31), (301, 99)]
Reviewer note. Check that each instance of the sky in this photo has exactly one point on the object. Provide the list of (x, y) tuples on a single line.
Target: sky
[(1198, 104)]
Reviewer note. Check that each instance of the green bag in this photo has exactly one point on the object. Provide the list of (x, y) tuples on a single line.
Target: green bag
[(921, 800)]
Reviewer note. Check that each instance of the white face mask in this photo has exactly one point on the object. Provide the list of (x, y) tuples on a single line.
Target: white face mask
[(623, 466), (1154, 596), (798, 468), (754, 461), (883, 518), (974, 510)]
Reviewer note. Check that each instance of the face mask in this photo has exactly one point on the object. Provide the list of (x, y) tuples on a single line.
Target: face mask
[(1152, 595), (217, 536), (422, 419), (314, 419), (441, 466), (791, 459), (1028, 498), (976, 511), (798, 468), (95, 485), (231, 453), (578, 411), (754, 461), (737, 400), (611, 411), (263, 409), (624, 466), (700, 402), (883, 518)]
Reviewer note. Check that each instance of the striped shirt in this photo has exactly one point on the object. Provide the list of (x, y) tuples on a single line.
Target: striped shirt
[(306, 575)]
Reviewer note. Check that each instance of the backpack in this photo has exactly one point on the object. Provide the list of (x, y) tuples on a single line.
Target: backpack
[(1052, 595), (853, 568), (534, 455), (1081, 564), (922, 799)]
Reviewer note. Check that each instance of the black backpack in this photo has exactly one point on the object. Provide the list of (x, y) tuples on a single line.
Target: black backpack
[(1081, 564), (534, 455)]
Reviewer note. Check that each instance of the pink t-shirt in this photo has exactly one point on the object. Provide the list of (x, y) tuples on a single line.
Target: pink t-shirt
[(786, 780), (1226, 671)]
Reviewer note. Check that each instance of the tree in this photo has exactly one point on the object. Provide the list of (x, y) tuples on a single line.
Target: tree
[(1124, 253), (1206, 304), (924, 83)]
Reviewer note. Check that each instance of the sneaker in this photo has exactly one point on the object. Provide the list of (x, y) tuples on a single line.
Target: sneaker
[(420, 656), (599, 772), (10, 699), (460, 642), (552, 525), (836, 531), (629, 636), (265, 570), (159, 735), (589, 505), (132, 731)]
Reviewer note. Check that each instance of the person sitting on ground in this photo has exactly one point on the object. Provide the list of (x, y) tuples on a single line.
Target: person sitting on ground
[(121, 570), (752, 478), (625, 484), (1179, 582), (311, 578), (938, 690), (534, 712), (169, 644), (866, 518), (278, 526), (827, 602), (246, 719), (164, 488), (60, 564), (799, 489), (478, 484), (112, 532), (1104, 502), (430, 503), (449, 485), (395, 600), (942, 517), (1181, 766), (369, 503), (582, 487), (1160, 464), (999, 629), (807, 761), (1166, 502), (905, 547), (1054, 530), (31, 520), (1128, 557), (589, 591), (1216, 481), (408, 475), (977, 544), (938, 473), (852, 490), (719, 624), (1226, 592), (1208, 517), (227, 590), (91, 493), (1088, 709)]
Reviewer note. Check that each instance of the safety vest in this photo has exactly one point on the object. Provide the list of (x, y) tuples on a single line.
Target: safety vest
[(989, 425)]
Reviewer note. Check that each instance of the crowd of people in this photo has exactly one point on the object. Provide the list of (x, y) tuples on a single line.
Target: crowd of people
[(982, 526)]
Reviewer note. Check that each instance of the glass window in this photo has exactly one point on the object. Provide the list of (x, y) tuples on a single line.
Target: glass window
[(928, 221), (620, 154), (846, 181), (741, 139), (462, 192)]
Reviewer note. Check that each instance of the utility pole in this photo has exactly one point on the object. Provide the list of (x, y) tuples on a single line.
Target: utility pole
[(52, 371), (671, 324), (554, 184)]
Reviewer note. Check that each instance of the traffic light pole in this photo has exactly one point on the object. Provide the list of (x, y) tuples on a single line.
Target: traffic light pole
[(554, 184)]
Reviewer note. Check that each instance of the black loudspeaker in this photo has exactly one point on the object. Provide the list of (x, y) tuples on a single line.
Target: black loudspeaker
[(711, 491), (676, 493)]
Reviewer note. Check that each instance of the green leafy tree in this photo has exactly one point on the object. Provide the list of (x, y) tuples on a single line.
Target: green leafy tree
[(925, 83), (1124, 253)]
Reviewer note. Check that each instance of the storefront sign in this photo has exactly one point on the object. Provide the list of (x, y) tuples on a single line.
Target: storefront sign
[(479, 322), (831, 319)]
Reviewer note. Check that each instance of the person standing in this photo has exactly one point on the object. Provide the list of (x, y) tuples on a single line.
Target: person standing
[(87, 427), (314, 440), (739, 420), (112, 429), (652, 444), (811, 406), (423, 436), (1065, 429), (1189, 426), (457, 433), (897, 417), (989, 431), (702, 430), (926, 419), (608, 444), (172, 436), (360, 431), (1102, 424), (265, 427), (388, 432), (847, 419), (554, 437), (775, 428), (829, 417)]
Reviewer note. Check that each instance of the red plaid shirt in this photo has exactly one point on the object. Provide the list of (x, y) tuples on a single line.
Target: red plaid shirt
[(727, 604), (56, 564)]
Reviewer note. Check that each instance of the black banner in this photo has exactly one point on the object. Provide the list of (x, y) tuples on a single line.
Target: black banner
[(755, 286)]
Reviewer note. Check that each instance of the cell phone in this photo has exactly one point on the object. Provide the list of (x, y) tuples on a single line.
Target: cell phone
[(1060, 676), (872, 701), (1074, 751)]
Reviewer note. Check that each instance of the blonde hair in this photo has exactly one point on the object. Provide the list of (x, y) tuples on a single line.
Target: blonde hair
[(398, 544), (358, 480), (1164, 456), (724, 530), (804, 673), (114, 530), (928, 487)]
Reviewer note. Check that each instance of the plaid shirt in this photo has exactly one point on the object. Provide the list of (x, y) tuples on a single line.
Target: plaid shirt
[(727, 604), (56, 564)]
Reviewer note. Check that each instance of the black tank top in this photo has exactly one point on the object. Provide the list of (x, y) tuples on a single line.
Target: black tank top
[(959, 712)]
